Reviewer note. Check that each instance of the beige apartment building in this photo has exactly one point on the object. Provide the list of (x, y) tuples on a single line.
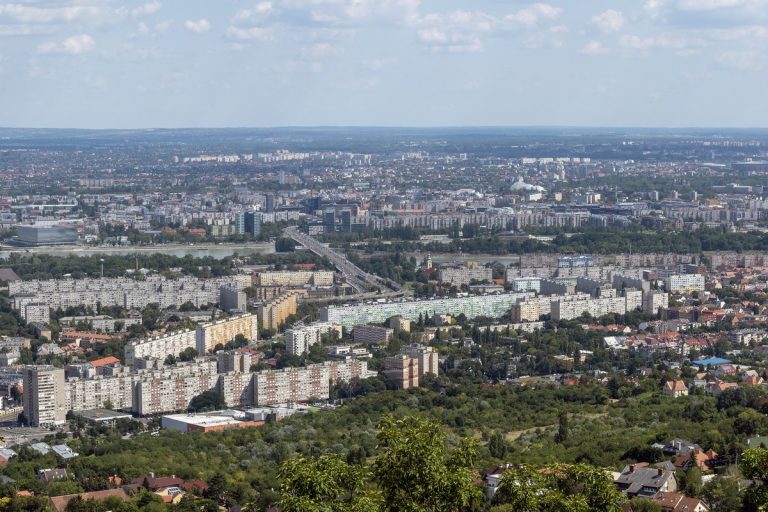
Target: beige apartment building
[(223, 331), (294, 278), (274, 312), (402, 370)]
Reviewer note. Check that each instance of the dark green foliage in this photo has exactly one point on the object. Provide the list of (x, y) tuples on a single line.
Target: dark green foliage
[(325, 484), (561, 487), (497, 446), (416, 472), (207, 401), (285, 245)]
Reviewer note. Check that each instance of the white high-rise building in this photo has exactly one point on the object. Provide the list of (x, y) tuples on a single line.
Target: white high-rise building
[(44, 395), (299, 339)]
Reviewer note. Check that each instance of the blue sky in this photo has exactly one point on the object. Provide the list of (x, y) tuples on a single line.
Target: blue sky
[(180, 63)]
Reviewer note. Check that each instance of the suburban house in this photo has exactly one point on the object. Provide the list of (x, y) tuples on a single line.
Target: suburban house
[(643, 481), (59, 503), (52, 475), (675, 388), (676, 502), (698, 457)]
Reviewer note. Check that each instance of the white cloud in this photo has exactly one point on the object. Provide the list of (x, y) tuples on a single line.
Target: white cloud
[(259, 10), (648, 43), (550, 38), (249, 34), (148, 8), (708, 5), (531, 16), (594, 48), (653, 7), (198, 27), (340, 12), (22, 13), (454, 32), (609, 21), (318, 51), (74, 45), (746, 60), (163, 26), (377, 64)]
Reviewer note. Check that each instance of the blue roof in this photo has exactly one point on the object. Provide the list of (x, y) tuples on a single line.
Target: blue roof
[(714, 361)]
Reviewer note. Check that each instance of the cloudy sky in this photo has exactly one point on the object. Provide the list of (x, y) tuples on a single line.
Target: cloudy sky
[(174, 63)]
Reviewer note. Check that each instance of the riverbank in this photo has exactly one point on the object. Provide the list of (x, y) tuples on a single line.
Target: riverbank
[(214, 250)]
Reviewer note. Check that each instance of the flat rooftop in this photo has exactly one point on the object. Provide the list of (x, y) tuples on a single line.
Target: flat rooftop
[(99, 415)]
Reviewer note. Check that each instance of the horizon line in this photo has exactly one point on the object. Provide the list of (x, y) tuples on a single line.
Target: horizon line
[(394, 126)]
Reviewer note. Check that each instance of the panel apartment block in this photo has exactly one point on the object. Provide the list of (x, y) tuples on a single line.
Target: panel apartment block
[(472, 306), (223, 331)]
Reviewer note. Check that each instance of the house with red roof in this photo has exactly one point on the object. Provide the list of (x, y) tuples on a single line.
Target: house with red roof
[(675, 388), (676, 502), (705, 461)]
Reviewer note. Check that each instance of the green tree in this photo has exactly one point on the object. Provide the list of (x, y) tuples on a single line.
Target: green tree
[(559, 488), (755, 467), (325, 484), (417, 473), (749, 422), (645, 505), (562, 428), (692, 485), (207, 401), (497, 446), (722, 494)]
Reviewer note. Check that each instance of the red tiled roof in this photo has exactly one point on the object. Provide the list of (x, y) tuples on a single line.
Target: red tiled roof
[(104, 361), (158, 482), (59, 503)]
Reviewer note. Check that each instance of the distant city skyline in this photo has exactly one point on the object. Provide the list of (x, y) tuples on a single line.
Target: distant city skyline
[(265, 63)]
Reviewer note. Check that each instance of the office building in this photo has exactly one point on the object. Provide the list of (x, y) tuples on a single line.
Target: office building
[(232, 299), (43, 395), (37, 236), (248, 223), (329, 221), (346, 221)]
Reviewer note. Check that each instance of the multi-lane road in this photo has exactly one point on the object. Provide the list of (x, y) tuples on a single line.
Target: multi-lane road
[(362, 281)]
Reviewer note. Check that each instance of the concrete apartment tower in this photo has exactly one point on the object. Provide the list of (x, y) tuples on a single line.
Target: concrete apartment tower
[(44, 395)]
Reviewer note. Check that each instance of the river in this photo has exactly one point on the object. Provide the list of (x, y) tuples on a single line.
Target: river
[(218, 251)]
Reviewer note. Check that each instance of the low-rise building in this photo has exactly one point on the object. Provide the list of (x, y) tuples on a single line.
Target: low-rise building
[(372, 335)]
